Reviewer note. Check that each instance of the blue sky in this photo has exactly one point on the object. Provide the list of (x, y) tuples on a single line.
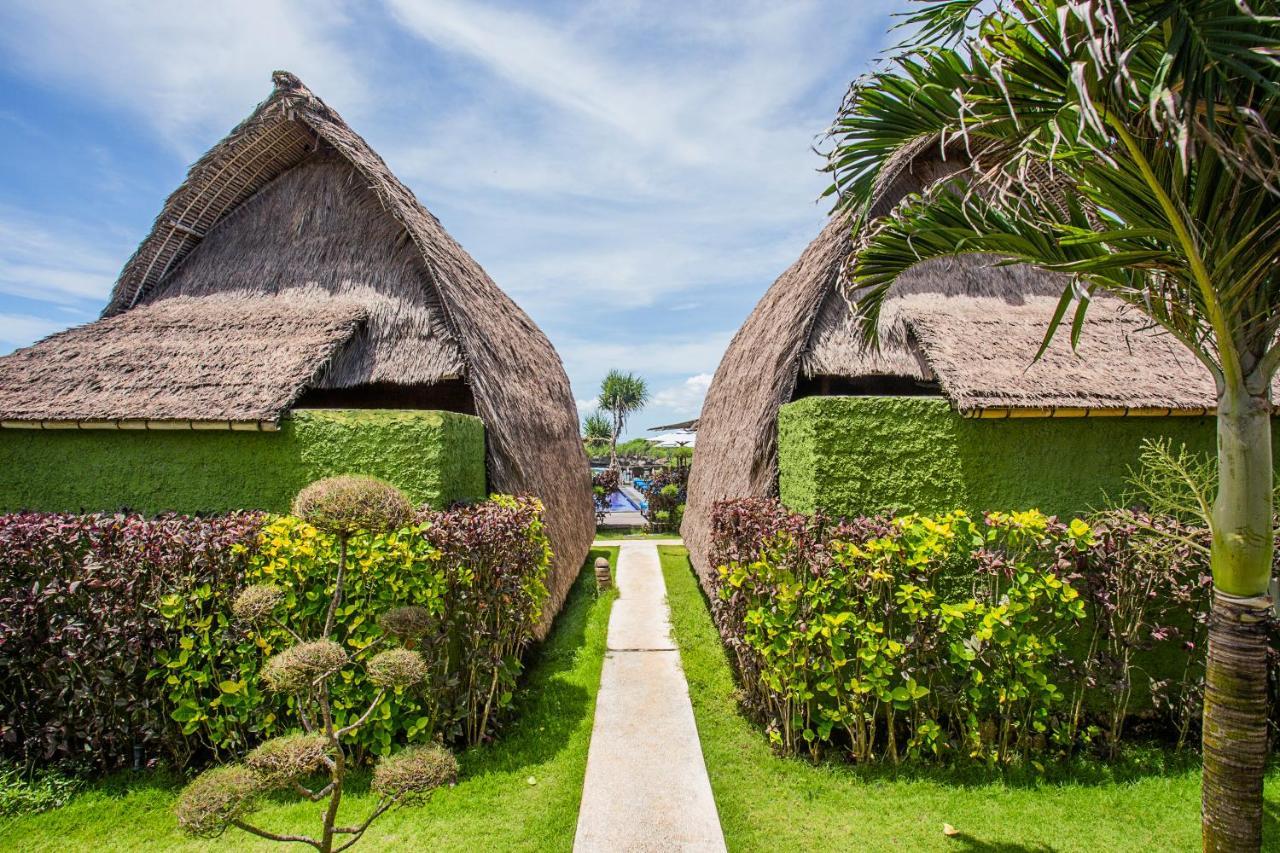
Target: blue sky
[(634, 174)]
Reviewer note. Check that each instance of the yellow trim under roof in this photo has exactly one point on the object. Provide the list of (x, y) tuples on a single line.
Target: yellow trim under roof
[(175, 424), (1006, 412)]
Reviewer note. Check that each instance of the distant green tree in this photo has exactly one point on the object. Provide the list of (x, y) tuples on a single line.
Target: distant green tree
[(596, 432), (621, 395), (637, 447)]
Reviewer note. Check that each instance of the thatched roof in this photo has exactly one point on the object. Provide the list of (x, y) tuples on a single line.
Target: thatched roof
[(965, 325), (981, 350), (229, 359), (691, 426), (295, 208)]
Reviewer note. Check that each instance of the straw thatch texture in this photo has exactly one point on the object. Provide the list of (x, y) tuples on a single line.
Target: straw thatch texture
[(228, 358), (835, 349), (318, 231), (431, 308), (982, 352)]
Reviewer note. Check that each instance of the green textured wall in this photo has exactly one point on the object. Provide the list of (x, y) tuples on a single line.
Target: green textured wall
[(436, 457), (851, 455)]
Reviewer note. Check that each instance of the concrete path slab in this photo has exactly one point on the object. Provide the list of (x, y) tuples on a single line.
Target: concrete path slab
[(646, 786)]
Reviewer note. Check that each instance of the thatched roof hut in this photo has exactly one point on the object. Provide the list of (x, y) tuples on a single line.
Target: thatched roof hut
[(292, 269), (963, 328)]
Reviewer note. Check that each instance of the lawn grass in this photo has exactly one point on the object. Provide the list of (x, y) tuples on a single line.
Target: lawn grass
[(519, 793), (624, 533), (1150, 802)]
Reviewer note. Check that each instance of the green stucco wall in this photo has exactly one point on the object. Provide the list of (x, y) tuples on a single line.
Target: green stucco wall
[(853, 455), (436, 457)]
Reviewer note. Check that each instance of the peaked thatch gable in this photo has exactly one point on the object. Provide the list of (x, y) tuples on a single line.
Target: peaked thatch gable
[(293, 207)]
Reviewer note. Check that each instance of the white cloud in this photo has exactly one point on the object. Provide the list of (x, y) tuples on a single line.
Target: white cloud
[(626, 154), (647, 357), (188, 68), (53, 260), (685, 398), (18, 330)]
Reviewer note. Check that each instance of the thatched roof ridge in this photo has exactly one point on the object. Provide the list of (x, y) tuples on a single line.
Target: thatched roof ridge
[(229, 359), (517, 379)]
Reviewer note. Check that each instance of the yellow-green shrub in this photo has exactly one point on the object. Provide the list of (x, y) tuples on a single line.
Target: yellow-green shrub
[(478, 571), (914, 636)]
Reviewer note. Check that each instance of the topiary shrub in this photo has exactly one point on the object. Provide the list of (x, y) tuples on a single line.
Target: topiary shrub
[(352, 504), (397, 668), (257, 604), (407, 623), (298, 668), (218, 798), (284, 760), (415, 770), (226, 796)]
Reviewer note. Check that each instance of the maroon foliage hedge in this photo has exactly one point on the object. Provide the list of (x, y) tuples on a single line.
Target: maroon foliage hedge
[(79, 628)]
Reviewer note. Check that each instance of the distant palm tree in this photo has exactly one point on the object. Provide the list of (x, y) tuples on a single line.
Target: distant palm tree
[(1136, 147), (621, 395), (596, 431)]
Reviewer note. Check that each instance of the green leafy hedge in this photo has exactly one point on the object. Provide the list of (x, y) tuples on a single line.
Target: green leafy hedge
[(863, 455), (480, 572), (952, 637), (116, 631)]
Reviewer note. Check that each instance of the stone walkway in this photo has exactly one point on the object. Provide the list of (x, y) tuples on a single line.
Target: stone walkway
[(646, 786)]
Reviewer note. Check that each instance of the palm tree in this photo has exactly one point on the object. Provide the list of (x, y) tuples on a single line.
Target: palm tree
[(1134, 147), (621, 395), (596, 431)]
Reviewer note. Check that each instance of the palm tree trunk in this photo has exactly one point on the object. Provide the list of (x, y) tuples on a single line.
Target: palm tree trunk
[(1235, 726), (613, 445)]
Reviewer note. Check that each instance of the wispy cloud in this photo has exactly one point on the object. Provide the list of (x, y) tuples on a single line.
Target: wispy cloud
[(685, 398), (18, 330), (183, 68), (53, 261)]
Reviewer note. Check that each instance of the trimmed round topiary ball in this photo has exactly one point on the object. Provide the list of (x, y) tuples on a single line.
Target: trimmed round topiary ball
[(352, 504), (298, 667), (281, 760), (396, 668), (217, 797), (255, 604), (408, 622), (414, 770)]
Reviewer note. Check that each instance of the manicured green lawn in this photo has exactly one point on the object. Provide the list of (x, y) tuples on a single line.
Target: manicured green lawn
[(519, 793), (626, 534), (1150, 802)]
